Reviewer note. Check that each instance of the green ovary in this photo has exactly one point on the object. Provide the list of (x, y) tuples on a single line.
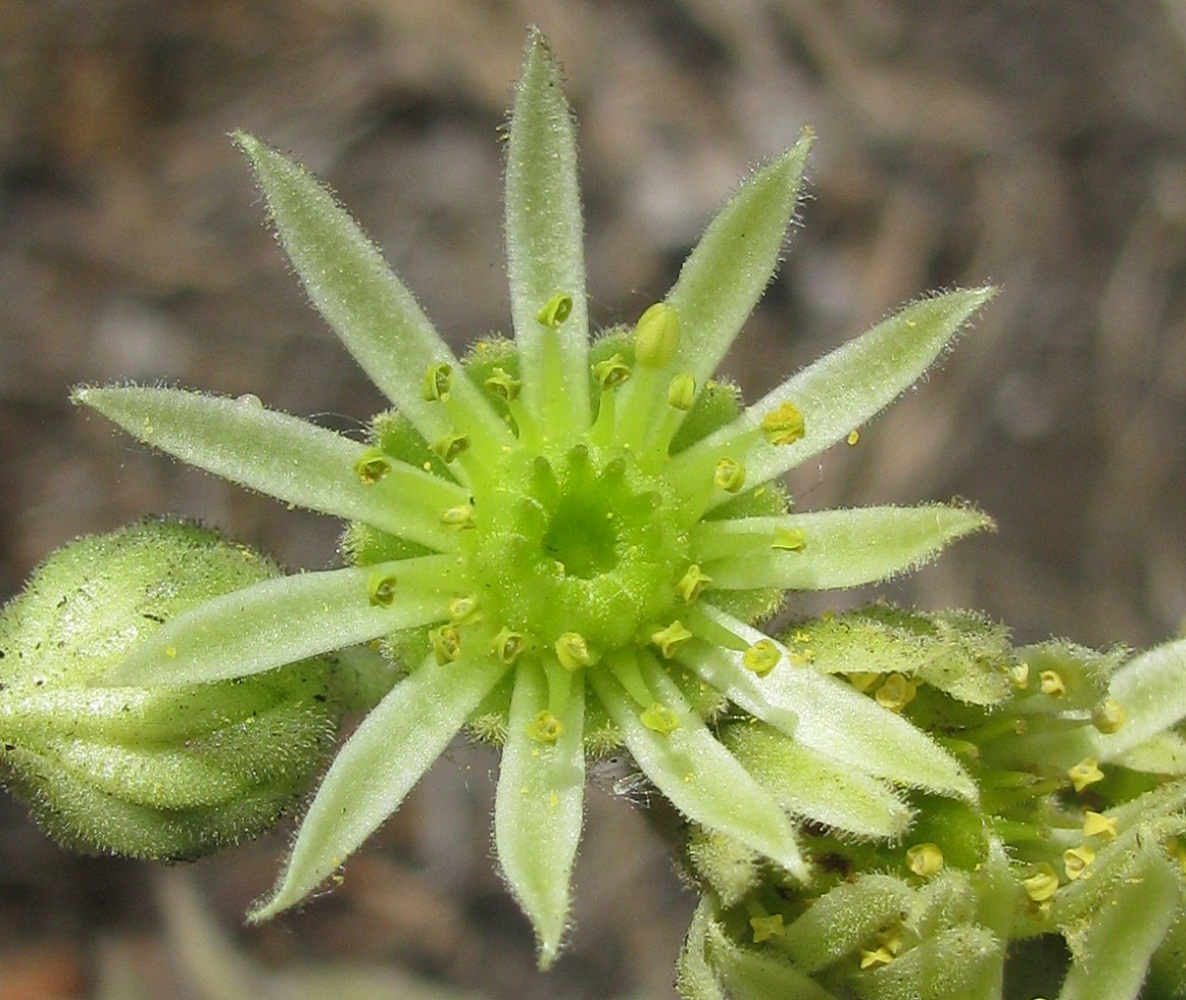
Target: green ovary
[(577, 543)]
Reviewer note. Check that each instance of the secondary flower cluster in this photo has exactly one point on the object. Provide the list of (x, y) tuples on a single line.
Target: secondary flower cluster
[(1067, 877)]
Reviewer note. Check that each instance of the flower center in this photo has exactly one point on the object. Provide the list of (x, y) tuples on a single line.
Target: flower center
[(579, 543)]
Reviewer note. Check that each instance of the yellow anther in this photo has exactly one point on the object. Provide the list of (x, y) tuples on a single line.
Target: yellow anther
[(462, 609), (1108, 715), (853, 437), (438, 382), (545, 728), (670, 638), (1098, 825), (761, 657), (372, 465), (789, 539), (573, 652), (507, 645), (924, 859), (503, 385), (446, 644), (656, 335), (461, 516), (660, 719), (450, 446), (765, 928), (381, 589), (692, 583), (611, 372), (1076, 860), (681, 392), (1086, 772), (555, 311), (876, 956), (863, 680), (1177, 852), (1019, 676), (783, 425), (1050, 682), (1042, 885), (896, 693), (729, 475)]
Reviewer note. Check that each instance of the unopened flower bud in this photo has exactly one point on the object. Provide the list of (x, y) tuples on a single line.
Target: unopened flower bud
[(165, 772)]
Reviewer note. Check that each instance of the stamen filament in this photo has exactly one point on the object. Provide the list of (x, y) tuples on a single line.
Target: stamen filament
[(624, 666)]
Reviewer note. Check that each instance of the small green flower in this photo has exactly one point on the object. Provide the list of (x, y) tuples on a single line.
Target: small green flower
[(1075, 846), (564, 543)]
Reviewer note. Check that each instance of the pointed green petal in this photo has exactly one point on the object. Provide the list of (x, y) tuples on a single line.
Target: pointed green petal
[(694, 978), (545, 250), (1151, 688), (837, 393), (377, 767), (539, 806), (367, 306), (724, 277), (753, 976), (844, 918), (287, 619), (959, 961), (1112, 949), (825, 714), (282, 456), (696, 773), (726, 274), (807, 784), (839, 548)]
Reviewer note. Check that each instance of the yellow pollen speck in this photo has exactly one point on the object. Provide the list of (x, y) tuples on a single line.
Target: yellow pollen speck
[(545, 727), (896, 693), (573, 652), (853, 437), (446, 644), (692, 583), (924, 859), (729, 475), (555, 311), (789, 539), (381, 589), (761, 657), (671, 638), (1076, 860), (507, 645), (1108, 716), (462, 609), (1050, 682), (765, 928), (1042, 885), (171, 651), (783, 425), (372, 465), (660, 719), (1086, 772), (877, 956), (461, 516), (1098, 825)]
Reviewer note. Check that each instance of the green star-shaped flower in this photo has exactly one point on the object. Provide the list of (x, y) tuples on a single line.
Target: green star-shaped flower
[(565, 542)]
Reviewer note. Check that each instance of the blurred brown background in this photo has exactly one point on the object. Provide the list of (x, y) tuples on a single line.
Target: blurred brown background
[(1039, 144)]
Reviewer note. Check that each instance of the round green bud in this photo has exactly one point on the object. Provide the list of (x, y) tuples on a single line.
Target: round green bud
[(167, 772), (656, 336)]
